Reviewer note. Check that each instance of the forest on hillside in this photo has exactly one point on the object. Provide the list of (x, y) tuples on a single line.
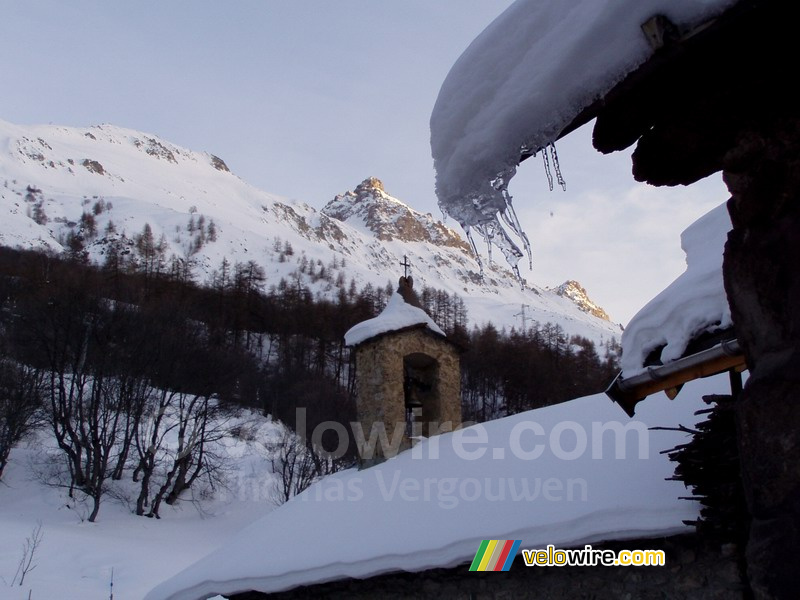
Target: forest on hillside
[(128, 366)]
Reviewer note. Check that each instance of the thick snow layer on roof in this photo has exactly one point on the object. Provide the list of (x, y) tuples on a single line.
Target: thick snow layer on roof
[(695, 302), (397, 315), (419, 511), (524, 79)]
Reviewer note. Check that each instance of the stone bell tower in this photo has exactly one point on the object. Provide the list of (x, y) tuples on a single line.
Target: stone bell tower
[(408, 378)]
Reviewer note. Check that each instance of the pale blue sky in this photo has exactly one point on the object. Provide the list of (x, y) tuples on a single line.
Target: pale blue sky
[(305, 98)]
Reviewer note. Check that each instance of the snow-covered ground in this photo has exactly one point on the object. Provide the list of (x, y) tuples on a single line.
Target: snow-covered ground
[(692, 304), (550, 476), (75, 558), (428, 507)]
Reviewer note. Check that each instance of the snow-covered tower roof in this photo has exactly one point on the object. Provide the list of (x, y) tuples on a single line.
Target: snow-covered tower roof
[(399, 314)]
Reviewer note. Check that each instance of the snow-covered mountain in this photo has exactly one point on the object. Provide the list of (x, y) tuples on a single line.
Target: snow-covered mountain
[(104, 185)]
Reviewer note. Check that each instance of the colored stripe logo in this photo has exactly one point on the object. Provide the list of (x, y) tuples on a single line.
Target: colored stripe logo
[(495, 555)]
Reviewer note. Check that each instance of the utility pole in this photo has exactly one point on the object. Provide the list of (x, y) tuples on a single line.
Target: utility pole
[(523, 317)]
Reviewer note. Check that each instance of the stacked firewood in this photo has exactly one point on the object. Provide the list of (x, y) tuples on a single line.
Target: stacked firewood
[(709, 466)]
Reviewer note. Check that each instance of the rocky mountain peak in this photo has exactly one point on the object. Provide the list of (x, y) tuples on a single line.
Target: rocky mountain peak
[(387, 218), (369, 186), (574, 291)]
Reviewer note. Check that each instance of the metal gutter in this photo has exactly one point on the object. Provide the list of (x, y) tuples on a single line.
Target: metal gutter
[(725, 356)]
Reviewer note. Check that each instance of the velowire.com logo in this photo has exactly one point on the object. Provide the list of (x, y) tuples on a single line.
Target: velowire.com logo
[(495, 555)]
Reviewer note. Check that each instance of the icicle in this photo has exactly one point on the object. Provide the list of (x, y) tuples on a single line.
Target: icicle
[(509, 250), (488, 235), (493, 206), (557, 167), (494, 234), (510, 218), (508, 214), (468, 233), (547, 169)]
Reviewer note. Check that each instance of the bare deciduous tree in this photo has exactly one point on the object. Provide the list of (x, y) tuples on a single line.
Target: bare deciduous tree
[(26, 564), (296, 464), (20, 405)]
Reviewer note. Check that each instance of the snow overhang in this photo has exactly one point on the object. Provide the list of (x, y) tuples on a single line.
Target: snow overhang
[(686, 331), (540, 70)]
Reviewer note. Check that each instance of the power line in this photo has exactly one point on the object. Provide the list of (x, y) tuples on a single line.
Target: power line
[(523, 317)]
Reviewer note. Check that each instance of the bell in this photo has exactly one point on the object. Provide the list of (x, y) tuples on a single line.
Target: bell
[(413, 402)]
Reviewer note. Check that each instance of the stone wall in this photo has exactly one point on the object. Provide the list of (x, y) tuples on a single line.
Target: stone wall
[(692, 571), (709, 104), (763, 284), (380, 380)]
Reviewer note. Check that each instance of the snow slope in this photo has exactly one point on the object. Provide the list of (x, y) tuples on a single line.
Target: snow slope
[(364, 235), (692, 304), (524, 79), (430, 507), (75, 558)]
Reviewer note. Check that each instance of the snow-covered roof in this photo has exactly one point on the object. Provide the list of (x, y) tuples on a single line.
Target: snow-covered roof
[(524, 80), (423, 510), (397, 315), (692, 304)]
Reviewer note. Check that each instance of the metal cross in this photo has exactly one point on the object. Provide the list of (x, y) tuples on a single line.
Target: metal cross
[(405, 264)]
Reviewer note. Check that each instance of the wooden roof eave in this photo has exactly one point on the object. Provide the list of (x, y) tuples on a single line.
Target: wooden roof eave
[(631, 96)]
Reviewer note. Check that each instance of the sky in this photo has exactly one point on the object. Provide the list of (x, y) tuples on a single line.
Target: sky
[(306, 98)]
